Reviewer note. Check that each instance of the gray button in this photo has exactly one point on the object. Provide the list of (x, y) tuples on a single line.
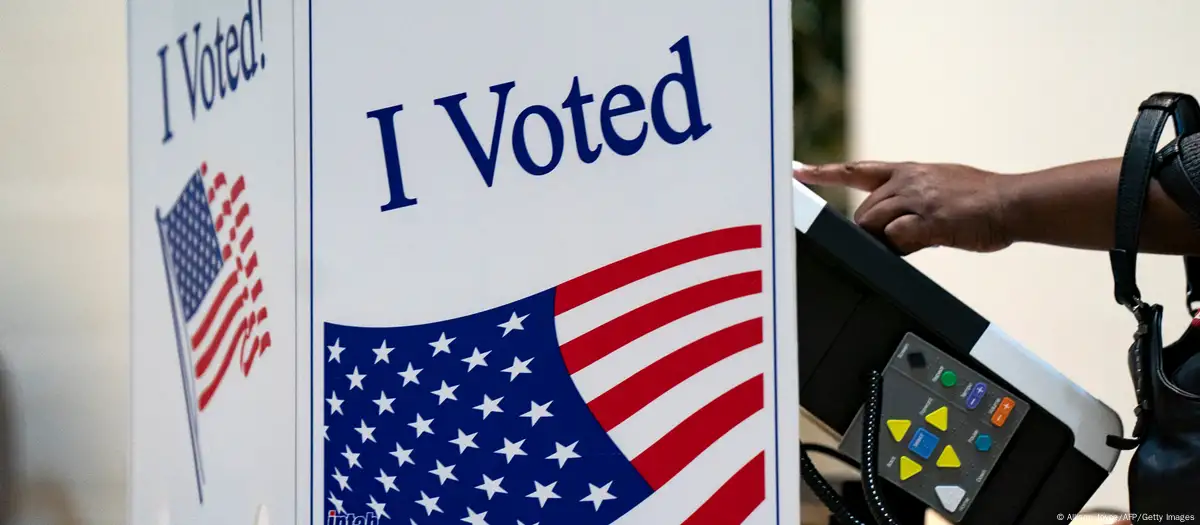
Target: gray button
[(951, 496)]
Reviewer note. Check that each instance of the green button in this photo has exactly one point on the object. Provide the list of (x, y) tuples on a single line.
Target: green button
[(949, 379)]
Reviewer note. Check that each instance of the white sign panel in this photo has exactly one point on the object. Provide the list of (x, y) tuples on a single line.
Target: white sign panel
[(213, 234), (551, 263)]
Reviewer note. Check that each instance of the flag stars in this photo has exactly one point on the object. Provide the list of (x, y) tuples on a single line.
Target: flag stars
[(513, 323), (492, 486), (335, 404), (429, 503), (543, 493), (388, 482), (465, 441), (511, 450), (422, 425), (476, 359), (442, 345), (402, 455), (410, 375), (384, 402), (342, 479), (598, 495), (445, 392), (378, 508), (537, 412), (518, 367), (381, 353), (351, 458), (443, 472), (475, 519), (562, 454), (356, 379), (533, 481), (337, 503), (489, 405), (335, 351), (366, 432)]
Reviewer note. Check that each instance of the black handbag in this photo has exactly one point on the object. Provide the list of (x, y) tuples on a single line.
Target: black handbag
[(1164, 472)]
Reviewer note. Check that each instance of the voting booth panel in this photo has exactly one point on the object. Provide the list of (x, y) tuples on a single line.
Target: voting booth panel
[(975, 426), (546, 270), (213, 255), (411, 264)]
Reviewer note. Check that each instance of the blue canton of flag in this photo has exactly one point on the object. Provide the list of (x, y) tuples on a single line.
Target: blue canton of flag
[(630, 393), (494, 428)]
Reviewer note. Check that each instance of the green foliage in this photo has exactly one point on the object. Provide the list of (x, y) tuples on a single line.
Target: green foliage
[(819, 84)]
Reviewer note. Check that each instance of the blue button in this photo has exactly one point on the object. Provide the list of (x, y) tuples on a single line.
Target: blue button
[(923, 443), (983, 442), (976, 395)]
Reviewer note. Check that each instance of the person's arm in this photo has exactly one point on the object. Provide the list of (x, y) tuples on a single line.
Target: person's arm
[(1075, 205), (918, 205)]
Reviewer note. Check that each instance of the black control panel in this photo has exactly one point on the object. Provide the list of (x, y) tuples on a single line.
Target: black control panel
[(945, 427), (857, 303)]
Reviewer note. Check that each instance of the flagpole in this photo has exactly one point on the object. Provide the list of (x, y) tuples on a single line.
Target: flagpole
[(185, 359)]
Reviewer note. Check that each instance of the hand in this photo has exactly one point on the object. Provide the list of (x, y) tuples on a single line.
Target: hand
[(915, 206)]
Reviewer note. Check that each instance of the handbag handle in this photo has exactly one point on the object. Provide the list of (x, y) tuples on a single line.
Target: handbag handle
[(1137, 166), (1180, 178)]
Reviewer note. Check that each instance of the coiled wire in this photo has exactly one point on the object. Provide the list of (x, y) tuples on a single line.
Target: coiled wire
[(870, 452), (869, 473)]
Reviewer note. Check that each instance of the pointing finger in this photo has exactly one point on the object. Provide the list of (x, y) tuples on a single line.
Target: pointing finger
[(866, 176)]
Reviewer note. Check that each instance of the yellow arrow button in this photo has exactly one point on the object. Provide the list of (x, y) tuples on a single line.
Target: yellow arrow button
[(939, 418), (948, 459), (908, 468), (898, 427)]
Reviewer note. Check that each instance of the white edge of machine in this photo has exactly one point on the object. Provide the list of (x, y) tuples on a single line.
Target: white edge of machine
[(806, 204), (1090, 420)]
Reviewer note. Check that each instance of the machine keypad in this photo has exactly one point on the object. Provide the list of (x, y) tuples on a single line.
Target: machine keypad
[(946, 427)]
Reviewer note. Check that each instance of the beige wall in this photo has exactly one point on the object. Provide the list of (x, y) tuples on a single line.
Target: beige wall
[(1015, 86), (63, 259)]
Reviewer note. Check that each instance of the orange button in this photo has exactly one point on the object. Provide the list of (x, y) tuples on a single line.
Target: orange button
[(1002, 411)]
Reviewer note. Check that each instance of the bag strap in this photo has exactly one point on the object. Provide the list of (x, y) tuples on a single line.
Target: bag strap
[(1180, 178), (1136, 168), (1138, 165)]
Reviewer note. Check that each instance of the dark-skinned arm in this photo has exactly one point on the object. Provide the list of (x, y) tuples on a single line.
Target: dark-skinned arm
[(917, 205), (1075, 205)]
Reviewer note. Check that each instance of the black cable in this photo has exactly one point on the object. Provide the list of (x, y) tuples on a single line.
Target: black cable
[(872, 414), (831, 452), (870, 452), (821, 487)]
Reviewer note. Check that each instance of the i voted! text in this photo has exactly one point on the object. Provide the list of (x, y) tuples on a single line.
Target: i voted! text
[(213, 64)]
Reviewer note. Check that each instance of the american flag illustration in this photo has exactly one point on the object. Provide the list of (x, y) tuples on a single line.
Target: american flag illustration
[(215, 291), (633, 393)]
